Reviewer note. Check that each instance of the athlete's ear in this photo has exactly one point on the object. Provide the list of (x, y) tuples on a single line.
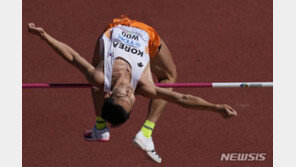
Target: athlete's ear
[(108, 94)]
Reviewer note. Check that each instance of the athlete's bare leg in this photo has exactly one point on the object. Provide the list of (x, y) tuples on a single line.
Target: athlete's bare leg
[(98, 95), (100, 132), (163, 67)]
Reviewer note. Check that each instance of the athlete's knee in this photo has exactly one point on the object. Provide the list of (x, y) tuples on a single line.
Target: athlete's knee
[(168, 78), (172, 76)]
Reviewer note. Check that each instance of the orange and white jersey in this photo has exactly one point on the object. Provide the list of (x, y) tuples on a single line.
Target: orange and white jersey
[(129, 43), (134, 41), (154, 39)]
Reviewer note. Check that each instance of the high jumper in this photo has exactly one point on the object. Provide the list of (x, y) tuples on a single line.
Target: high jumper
[(126, 55)]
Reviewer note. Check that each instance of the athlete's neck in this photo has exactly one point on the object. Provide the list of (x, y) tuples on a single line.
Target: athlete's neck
[(121, 74), (119, 80)]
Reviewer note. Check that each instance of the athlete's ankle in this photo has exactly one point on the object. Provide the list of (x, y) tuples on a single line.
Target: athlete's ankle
[(147, 128), (100, 123)]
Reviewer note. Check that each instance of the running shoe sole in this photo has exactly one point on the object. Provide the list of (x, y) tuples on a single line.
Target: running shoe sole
[(138, 143)]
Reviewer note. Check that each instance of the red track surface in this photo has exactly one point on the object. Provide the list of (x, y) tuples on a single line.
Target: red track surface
[(222, 41)]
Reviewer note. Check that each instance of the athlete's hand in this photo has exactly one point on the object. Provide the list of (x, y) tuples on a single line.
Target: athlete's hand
[(35, 30), (226, 111)]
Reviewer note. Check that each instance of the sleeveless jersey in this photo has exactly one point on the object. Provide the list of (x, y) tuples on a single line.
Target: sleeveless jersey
[(130, 44)]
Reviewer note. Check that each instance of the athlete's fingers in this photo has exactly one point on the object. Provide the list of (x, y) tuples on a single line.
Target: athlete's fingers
[(31, 25), (35, 30), (234, 113), (231, 111), (32, 28), (227, 111)]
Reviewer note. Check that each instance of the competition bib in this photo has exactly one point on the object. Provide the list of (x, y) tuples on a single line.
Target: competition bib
[(129, 41)]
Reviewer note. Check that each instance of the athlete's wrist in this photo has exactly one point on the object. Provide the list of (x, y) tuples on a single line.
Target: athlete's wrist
[(217, 107)]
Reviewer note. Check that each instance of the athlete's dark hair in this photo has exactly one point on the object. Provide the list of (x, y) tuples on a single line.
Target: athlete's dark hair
[(113, 113)]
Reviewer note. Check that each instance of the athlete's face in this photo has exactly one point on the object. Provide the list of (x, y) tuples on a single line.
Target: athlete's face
[(123, 96)]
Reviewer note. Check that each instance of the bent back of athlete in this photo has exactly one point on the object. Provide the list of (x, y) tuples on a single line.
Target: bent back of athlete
[(116, 80)]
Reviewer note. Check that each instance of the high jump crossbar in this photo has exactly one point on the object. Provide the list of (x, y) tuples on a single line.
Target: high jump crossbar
[(164, 85)]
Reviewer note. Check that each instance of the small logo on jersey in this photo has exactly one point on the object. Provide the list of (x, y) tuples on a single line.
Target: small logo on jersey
[(140, 64), (129, 41), (110, 54)]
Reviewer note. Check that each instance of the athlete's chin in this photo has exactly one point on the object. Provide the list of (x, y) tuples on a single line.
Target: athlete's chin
[(130, 88)]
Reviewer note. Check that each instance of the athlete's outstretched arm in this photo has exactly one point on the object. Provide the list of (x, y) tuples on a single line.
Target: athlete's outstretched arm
[(188, 101), (69, 54)]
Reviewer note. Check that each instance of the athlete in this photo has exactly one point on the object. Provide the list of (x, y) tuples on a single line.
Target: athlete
[(126, 55)]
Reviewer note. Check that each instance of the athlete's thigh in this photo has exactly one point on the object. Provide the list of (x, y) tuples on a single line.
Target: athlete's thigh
[(162, 65)]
